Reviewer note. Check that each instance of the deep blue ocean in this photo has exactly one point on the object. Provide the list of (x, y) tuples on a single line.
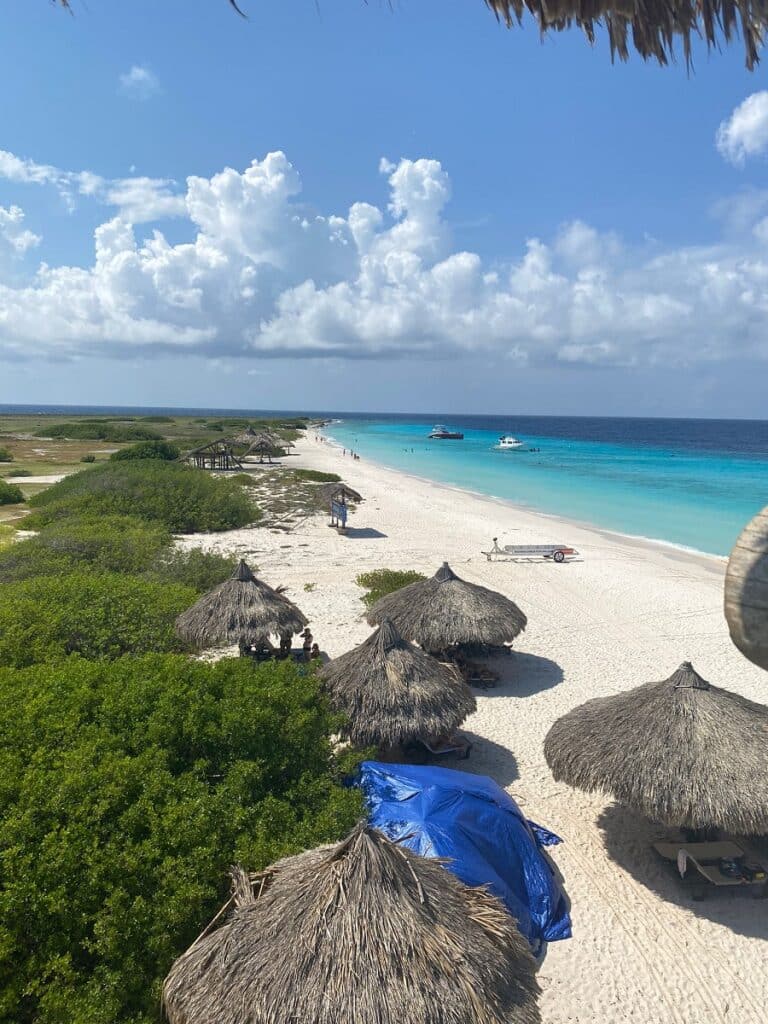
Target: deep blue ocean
[(693, 483)]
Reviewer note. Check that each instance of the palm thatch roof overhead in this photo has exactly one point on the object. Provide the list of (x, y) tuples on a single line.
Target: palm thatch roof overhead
[(651, 27), (363, 932), (682, 752), (394, 693), (746, 590), (446, 610), (242, 607)]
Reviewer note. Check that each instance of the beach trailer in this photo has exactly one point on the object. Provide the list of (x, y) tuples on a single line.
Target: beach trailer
[(557, 552)]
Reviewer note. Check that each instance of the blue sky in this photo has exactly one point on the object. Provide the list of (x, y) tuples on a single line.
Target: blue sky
[(460, 217)]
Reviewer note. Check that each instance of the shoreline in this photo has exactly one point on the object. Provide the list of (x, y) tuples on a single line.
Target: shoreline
[(627, 612), (706, 558)]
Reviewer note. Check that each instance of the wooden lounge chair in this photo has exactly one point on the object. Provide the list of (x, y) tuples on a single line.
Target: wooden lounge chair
[(708, 859)]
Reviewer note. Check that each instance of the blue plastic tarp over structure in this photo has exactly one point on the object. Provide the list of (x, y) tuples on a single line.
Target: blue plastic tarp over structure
[(437, 812)]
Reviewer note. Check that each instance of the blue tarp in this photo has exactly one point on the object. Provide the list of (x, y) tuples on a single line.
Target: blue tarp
[(437, 812)]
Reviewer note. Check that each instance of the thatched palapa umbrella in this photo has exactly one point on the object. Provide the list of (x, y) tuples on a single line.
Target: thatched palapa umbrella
[(363, 932), (746, 591), (682, 752), (393, 693), (446, 610), (241, 608)]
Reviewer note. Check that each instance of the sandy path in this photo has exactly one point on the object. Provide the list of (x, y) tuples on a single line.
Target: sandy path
[(627, 613)]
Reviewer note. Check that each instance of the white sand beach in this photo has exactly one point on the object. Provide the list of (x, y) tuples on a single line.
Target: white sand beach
[(627, 612)]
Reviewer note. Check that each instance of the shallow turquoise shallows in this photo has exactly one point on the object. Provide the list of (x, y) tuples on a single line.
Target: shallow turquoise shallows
[(693, 483)]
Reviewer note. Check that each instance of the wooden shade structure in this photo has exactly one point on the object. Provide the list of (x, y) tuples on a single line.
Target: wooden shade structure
[(241, 608), (213, 455), (746, 591), (446, 610), (362, 932), (681, 751), (393, 693)]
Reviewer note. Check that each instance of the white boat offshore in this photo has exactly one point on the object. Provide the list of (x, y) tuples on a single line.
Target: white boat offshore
[(508, 443)]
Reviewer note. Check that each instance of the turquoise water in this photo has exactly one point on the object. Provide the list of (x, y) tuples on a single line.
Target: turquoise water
[(688, 482)]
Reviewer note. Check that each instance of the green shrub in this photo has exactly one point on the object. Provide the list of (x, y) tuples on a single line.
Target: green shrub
[(201, 570), (126, 790), (5, 455), (147, 450), (88, 458), (95, 616), (243, 478), (101, 430), (184, 499), (10, 494), (316, 476), (22, 472), (158, 419), (104, 544), (380, 582)]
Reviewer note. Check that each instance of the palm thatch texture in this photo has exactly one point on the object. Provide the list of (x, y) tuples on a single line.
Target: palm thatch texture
[(340, 492), (652, 26), (393, 694), (446, 610), (240, 608), (682, 752), (746, 591), (363, 932)]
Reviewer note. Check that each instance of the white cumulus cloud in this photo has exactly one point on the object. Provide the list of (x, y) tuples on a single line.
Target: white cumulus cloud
[(262, 274), (13, 232), (745, 132), (139, 199), (139, 82)]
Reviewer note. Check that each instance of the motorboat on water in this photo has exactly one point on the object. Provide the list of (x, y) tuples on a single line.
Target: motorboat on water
[(508, 443), (444, 434)]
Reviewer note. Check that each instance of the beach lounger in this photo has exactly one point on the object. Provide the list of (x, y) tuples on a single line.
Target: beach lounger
[(722, 863), (557, 552), (478, 675), (457, 744)]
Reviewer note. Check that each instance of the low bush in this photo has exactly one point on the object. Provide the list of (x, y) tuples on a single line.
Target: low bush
[(22, 472), (316, 476), (101, 430), (184, 499), (147, 450), (10, 494), (5, 455), (128, 788), (48, 619), (104, 544), (244, 478), (380, 582), (157, 419), (88, 458), (201, 570)]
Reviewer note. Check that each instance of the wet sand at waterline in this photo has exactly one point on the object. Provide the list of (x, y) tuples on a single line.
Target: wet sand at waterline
[(627, 612)]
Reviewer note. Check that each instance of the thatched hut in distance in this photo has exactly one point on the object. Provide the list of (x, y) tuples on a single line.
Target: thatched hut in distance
[(446, 610), (394, 694), (363, 932), (242, 608), (213, 455), (682, 752), (746, 590)]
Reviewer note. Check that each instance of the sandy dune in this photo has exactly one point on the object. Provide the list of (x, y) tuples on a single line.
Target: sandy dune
[(628, 612)]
